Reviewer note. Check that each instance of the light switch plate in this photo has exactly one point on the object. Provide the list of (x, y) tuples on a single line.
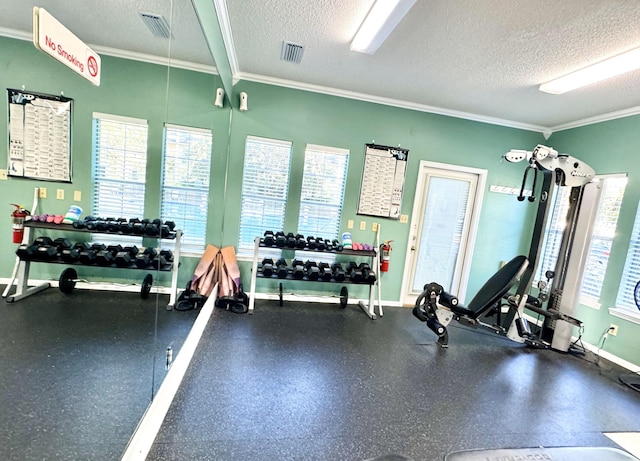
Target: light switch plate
[(42, 192), (60, 194), (77, 195), (3, 175), (363, 225), (404, 219)]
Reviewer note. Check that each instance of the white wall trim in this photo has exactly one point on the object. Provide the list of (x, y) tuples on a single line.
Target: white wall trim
[(631, 111), (227, 37)]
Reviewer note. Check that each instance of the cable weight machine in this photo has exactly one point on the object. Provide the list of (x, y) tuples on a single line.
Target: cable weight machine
[(437, 308)]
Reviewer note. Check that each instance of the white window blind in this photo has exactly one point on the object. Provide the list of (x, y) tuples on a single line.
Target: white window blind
[(119, 166), (631, 273), (265, 185), (185, 184), (601, 239), (603, 232), (322, 195)]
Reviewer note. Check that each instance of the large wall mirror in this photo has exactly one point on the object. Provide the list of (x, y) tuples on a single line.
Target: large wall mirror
[(80, 368)]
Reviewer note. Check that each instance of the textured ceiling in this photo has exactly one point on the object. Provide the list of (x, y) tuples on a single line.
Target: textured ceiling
[(477, 59)]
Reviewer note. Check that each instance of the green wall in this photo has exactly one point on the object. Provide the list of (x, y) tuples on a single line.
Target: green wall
[(610, 147)]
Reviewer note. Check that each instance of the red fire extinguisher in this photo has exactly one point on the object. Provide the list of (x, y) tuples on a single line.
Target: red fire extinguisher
[(18, 215), (385, 252)]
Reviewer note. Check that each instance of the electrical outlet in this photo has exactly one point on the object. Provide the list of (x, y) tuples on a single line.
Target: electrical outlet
[(42, 192), (613, 330), (374, 227), (77, 196), (363, 225), (3, 174), (404, 219), (350, 224), (60, 194)]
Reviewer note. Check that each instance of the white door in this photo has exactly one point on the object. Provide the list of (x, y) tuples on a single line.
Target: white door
[(443, 227)]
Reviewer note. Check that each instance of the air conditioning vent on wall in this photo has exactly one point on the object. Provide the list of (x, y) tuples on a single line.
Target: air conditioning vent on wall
[(157, 24), (291, 52)]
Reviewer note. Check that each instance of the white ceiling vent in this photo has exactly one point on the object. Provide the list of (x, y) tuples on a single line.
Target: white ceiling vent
[(157, 24), (291, 52)]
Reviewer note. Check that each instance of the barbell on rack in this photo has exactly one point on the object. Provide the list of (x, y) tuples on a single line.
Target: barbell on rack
[(69, 278)]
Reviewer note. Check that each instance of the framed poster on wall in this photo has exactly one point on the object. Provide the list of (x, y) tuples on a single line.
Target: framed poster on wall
[(39, 136), (382, 181)]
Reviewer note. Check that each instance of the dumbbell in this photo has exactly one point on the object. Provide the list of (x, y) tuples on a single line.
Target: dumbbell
[(145, 258), (325, 271), (102, 225), (291, 240), (266, 267), (338, 272), (312, 271), (269, 238), (45, 249), (27, 252), (281, 239), (104, 258), (167, 254), (92, 223), (368, 274), (62, 243), (159, 262), (320, 245), (152, 229), (300, 242), (68, 253), (126, 256), (281, 268), (139, 226), (337, 246), (87, 256), (297, 269), (311, 242), (354, 272)]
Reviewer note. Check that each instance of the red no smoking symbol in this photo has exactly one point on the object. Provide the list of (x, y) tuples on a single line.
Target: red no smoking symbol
[(92, 65)]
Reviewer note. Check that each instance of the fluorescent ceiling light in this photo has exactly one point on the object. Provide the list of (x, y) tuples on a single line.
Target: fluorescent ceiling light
[(617, 65), (382, 18)]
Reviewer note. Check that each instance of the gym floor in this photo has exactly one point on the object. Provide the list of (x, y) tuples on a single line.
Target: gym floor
[(77, 371), (316, 382)]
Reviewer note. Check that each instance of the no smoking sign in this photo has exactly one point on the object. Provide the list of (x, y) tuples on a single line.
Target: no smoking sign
[(92, 66)]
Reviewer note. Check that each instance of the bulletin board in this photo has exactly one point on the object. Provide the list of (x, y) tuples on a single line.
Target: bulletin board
[(382, 181), (39, 136)]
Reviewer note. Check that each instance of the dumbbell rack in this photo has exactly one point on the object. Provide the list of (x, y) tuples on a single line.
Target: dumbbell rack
[(367, 308), (23, 289)]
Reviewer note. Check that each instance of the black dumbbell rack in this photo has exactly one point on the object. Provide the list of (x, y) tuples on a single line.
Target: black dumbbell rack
[(308, 253), (23, 290)]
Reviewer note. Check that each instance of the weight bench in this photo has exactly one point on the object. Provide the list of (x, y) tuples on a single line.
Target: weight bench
[(438, 308)]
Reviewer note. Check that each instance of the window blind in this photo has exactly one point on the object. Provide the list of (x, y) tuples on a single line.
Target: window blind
[(265, 185), (631, 272), (185, 184), (119, 166), (322, 195)]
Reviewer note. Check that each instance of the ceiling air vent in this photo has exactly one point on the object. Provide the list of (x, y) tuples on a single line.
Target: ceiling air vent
[(291, 52), (157, 24)]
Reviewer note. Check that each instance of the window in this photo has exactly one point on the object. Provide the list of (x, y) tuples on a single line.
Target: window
[(601, 239), (321, 198), (265, 185), (185, 183), (631, 273), (119, 168)]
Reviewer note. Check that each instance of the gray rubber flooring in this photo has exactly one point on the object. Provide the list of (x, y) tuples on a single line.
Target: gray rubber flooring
[(315, 382), (77, 371)]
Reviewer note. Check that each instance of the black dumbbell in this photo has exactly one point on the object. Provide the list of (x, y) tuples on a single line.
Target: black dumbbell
[(368, 274), (126, 257), (70, 255), (297, 269), (159, 262), (269, 238), (300, 242), (145, 258), (325, 271), (267, 267), (312, 270), (82, 246), (355, 272), (62, 243), (171, 225), (281, 239), (98, 247), (338, 272), (87, 256), (311, 242), (281, 268), (92, 224), (115, 249), (139, 226), (167, 254), (104, 258), (27, 252), (337, 246), (43, 240), (291, 240), (152, 229)]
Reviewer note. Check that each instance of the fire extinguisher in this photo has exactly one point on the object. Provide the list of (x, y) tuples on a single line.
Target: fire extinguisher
[(385, 252), (18, 216)]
